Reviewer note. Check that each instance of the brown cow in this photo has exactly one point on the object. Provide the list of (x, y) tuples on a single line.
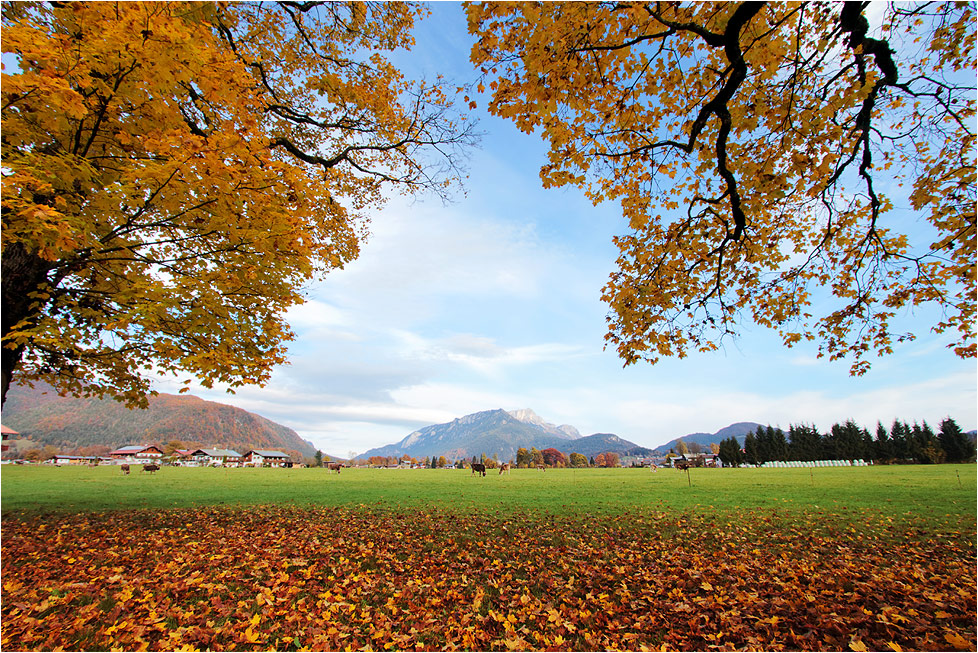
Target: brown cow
[(478, 468), (151, 468), (683, 467), (504, 468), (125, 469), (334, 467), (542, 468)]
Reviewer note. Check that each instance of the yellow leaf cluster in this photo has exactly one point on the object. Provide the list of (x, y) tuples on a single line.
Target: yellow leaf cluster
[(749, 147), (176, 173)]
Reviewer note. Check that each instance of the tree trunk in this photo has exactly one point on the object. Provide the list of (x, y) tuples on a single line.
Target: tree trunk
[(23, 273)]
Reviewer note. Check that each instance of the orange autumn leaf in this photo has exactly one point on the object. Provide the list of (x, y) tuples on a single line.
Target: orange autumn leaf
[(435, 579)]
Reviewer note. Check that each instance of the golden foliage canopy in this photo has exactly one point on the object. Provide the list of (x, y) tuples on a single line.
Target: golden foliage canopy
[(758, 151), (175, 172)]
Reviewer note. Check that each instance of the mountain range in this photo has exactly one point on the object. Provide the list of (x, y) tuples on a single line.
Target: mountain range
[(70, 422), (67, 423), (500, 433), (738, 431), (490, 432)]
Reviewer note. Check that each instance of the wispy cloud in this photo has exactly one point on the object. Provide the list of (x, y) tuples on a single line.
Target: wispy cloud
[(667, 414), (484, 354)]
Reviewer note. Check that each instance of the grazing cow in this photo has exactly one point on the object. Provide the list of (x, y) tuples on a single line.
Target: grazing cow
[(478, 468), (504, 468), (151, 468), (683, 467), (542, 468), (125, 469), (334, 467), (654, 467)]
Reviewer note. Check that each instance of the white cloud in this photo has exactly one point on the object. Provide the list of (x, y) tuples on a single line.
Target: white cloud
[(456, 400), (483, 354), (419, 256), (674, 412), (315, 313), (380, 413)]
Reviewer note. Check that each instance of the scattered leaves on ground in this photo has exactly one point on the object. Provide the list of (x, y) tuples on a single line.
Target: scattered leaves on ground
[(286, 578)]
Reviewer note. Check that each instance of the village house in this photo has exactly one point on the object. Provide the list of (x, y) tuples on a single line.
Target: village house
[(181, 457), (263, 458), (79, 460), (138, 454), (213, 458), (697, 459), (7, 432)]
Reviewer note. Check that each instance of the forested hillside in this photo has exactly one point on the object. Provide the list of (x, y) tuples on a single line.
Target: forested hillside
[(71, 422)]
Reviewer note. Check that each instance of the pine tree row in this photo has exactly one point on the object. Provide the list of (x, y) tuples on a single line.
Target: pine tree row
[(901, 444)]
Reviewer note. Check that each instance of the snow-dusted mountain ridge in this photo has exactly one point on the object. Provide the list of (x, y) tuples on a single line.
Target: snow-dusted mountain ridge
[(529, 417), (488, 432)]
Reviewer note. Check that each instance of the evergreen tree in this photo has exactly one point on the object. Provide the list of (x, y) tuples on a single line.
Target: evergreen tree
[(916, 443), (730, 452), (899, 440), (750, 449), (319, 458), (957, 447), (806, 443), (779, 444), (765, 444), (930, 451), (882, 446), (846, 441), (867, 446)]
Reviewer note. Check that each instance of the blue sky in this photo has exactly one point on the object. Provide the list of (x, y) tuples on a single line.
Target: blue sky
[(493, 301)]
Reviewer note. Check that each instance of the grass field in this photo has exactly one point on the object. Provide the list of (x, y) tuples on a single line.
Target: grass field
[(924, 498), (923, 492), (873, 558)]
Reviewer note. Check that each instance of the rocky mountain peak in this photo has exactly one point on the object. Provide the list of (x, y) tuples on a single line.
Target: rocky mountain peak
[(527, 416)]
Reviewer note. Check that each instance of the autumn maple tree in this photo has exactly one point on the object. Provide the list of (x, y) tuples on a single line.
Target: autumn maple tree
[(809, 166), (175, 173)]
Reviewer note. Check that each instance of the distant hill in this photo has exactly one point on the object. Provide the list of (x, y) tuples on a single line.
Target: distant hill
[(592, 445), (70, 422), (738, 430), (501, 433)]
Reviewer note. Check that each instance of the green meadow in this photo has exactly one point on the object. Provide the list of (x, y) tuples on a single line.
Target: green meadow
[(932, 493)]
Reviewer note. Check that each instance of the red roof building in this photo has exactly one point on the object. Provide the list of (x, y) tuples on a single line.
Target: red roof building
[(7, 432), (138, 453)]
